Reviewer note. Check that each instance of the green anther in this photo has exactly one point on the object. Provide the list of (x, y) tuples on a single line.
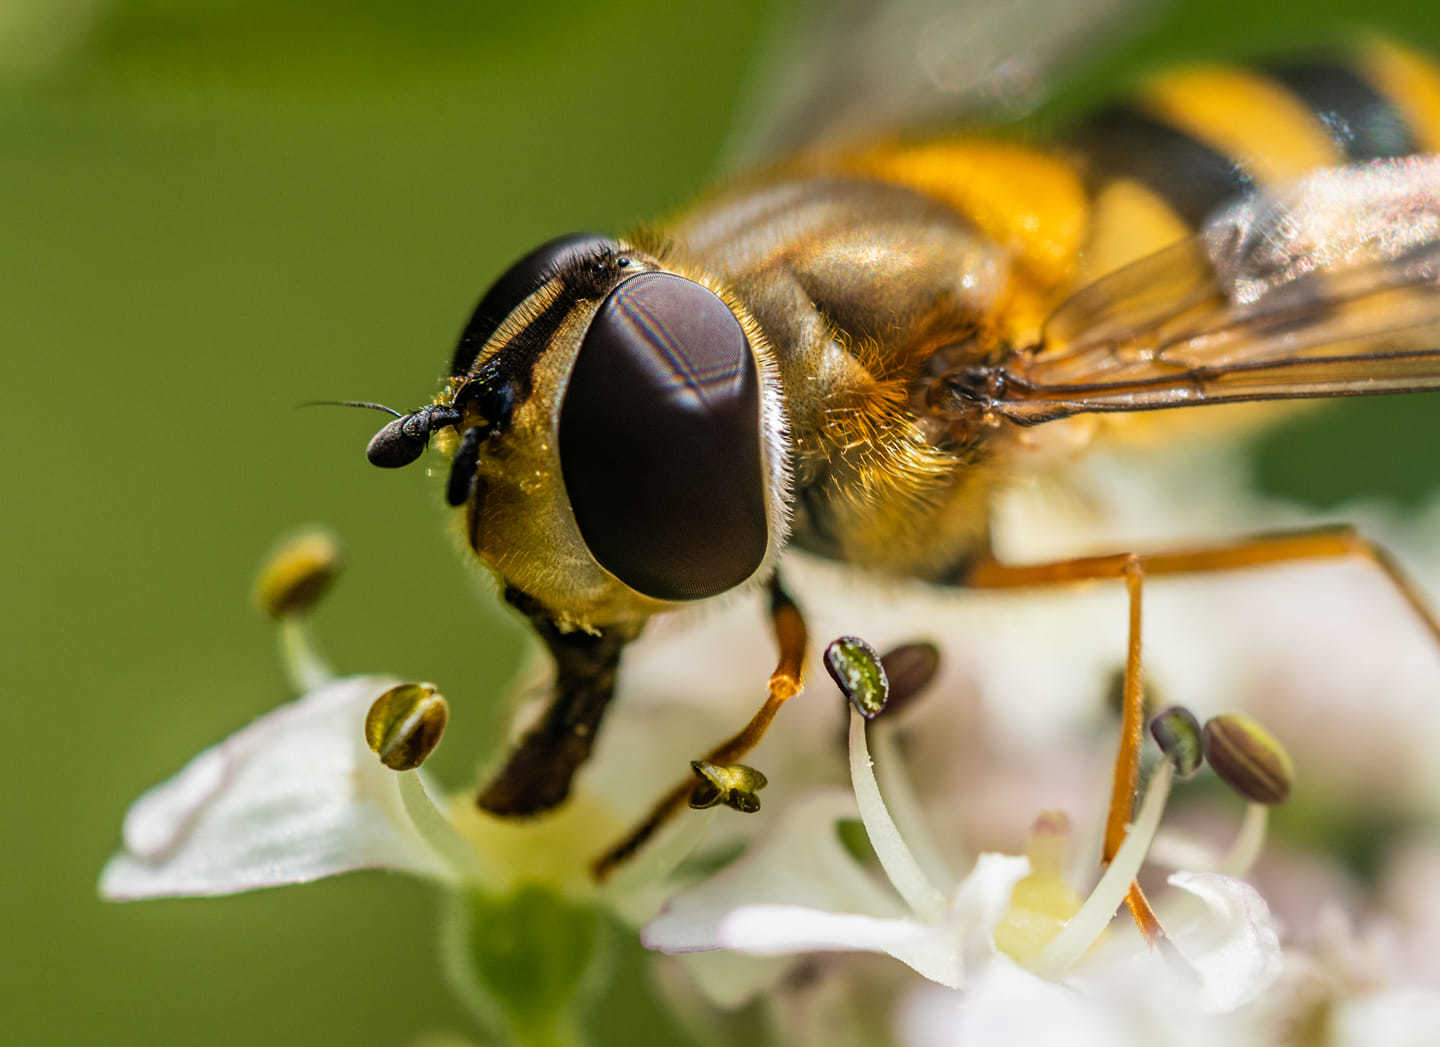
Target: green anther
[(857, 671), (1177, 732), (297, 574), (405, 724), (735, 786), (1249, 759)]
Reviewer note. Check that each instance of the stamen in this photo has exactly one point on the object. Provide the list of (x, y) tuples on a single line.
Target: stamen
[(909, 669), (857, 670), (405, 724), (1177, 732), (1082, 931), (1249, 759), (785, 682), (899, 863), (735, 786), (1248, 843), (287, 588), (297, 574)]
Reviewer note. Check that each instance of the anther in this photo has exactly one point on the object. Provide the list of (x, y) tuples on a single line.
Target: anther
[(735, 786), (1177, 732), (858, 672), (297, 574), (405, 724), (910, 668), (1249, 759)]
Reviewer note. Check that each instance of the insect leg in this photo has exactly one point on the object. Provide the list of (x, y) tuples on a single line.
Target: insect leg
[(537, 775), (785, 682), (1260, 550), (1328, 543)]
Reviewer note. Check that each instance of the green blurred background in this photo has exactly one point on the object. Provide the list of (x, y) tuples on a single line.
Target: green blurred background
[(212, 211)]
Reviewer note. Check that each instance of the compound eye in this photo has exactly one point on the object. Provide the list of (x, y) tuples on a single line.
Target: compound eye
[(515, 285), (660, 441)]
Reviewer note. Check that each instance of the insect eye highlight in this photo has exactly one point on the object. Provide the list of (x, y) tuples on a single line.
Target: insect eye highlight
[(515, 285), (660, 441)]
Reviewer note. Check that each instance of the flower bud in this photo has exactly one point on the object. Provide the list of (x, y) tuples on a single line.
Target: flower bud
[(297, 574), (405, 724), (1249, 759), (857, 671), (1177, 732), (735, 786)]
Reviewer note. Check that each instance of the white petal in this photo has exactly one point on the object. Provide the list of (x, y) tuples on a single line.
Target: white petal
[(1009, 1005), (292, 797), (1407, 1017), (799, 861), (773, 930), (1229, 939), (1133, 1004), (798, 891), (980, 900)]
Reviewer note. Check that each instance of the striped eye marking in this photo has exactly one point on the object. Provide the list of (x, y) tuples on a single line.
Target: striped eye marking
[(515, 285)]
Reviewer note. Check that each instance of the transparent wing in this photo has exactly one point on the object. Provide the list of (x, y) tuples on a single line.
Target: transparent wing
[(846, 70), (1329, 289)]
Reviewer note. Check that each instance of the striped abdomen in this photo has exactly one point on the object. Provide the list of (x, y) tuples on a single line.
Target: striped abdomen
[(1194, 139)]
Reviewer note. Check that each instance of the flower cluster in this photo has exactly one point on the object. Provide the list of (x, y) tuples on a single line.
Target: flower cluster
[(956, 832)]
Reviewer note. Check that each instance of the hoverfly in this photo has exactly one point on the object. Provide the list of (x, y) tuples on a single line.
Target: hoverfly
[(848, 352)]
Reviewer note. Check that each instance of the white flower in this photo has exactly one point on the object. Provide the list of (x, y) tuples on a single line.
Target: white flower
[(295, 796), (798, 890), (1143, 1005), (298, 795)]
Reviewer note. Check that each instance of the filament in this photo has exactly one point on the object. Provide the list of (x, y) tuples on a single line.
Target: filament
[(899, 863), (437, 831), (1076, 937), (304, 668), (1248, 843), (904, 807)]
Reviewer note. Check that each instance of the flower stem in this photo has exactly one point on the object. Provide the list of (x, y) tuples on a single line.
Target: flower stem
[(904, 872), (1076, 937), (1248, 843)]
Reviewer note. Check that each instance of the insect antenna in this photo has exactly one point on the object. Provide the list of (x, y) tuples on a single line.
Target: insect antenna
[(353, 403)]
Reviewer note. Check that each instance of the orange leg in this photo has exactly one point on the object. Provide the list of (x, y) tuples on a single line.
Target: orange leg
[(785, 683), (1257, 551)]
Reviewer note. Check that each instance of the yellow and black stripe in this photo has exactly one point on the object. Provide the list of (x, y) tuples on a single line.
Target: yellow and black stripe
[(1194, 139)]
